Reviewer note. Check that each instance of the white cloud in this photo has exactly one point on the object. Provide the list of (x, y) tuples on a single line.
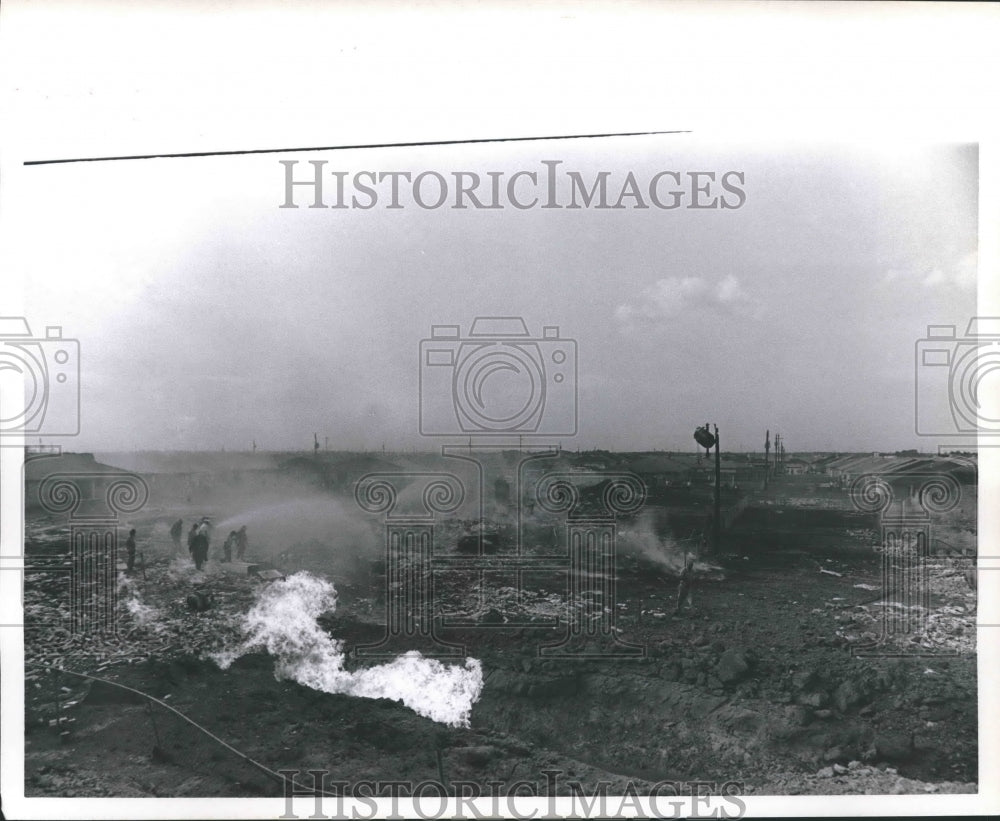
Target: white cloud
[(966, 270), (959, 272), (671, 296), (935, 277), (730, 291)]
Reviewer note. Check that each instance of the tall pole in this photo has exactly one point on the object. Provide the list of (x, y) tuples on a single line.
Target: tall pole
[(704, 437), (718, 495), (767, 455)]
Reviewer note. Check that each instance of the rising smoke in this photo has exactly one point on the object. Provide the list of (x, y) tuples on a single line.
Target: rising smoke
[(282, 621), (643, 538)]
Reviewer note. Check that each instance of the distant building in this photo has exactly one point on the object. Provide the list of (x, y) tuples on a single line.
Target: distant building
[(794, 466), (91, 479), (901, 471)]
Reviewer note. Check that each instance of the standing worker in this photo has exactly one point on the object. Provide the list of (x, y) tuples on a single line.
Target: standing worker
[(685, 584), (241, 542), (130, 547), (205, 531), (176, 529), (227, 546), (199, 548)]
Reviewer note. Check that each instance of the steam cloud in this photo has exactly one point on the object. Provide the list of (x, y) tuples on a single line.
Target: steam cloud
[(283, 622), (277, 523), (642, 539)]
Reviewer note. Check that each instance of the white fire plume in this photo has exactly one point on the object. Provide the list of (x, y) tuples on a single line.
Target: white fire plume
[(283, 622), (143, 615)]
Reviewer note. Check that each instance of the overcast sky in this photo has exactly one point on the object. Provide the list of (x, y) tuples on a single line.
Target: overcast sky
[(209, 317)]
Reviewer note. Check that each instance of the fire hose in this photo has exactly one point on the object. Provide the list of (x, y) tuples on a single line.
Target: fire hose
[(264, 769)]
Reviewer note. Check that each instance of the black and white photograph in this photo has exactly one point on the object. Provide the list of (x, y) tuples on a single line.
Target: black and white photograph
[(464, 449)]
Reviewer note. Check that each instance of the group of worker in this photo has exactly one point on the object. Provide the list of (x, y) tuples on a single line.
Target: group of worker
[(199, 537), (237, 539)]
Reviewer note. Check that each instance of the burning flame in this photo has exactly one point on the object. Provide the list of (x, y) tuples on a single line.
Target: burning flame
[(283, 622), (143, 615)]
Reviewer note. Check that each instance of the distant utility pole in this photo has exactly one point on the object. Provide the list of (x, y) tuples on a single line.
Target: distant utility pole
[(315, 444), (707, 439), (767, 456), (254, 445), (718, 495)]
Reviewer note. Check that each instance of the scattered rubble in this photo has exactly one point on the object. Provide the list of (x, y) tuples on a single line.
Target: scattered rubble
[(855, 779)]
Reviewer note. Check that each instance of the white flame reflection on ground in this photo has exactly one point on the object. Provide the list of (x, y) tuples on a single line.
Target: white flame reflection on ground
[(283, 622)]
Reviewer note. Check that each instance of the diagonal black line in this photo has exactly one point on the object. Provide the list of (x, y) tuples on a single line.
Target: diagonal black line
[(352, 147)]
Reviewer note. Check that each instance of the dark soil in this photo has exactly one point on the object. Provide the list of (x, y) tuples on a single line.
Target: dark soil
[(759, 681)]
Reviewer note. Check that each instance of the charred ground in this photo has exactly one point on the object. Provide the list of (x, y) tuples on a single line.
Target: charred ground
[(757, 685)]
